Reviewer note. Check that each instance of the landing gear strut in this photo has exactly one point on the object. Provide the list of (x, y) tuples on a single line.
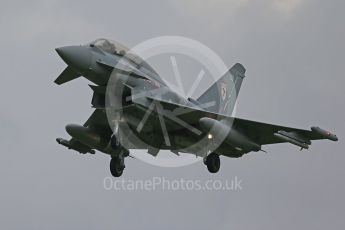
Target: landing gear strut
[(118, 153), (114, 142), (212, 162)]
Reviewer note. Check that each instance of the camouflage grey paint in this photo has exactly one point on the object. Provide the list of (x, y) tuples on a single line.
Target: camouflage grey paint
[(97, 60)]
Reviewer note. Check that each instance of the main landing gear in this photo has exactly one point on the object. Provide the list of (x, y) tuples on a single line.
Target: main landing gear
[(212, 162), (117, 162)]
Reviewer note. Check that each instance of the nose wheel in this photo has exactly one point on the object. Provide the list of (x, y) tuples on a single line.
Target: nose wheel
[(117, 162), (212, 161), (117, 165)]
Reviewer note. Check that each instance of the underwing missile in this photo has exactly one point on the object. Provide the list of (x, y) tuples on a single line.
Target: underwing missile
[(291, 140), (73, 145)]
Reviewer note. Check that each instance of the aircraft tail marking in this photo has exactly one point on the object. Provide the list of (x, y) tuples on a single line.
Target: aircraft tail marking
[(225, 91)]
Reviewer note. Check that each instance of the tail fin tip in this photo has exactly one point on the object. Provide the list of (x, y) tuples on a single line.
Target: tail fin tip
[(238, 68)]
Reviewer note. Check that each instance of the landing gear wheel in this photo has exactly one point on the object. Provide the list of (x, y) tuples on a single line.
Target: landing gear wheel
[(114, 142), (212, 162), (116, 166)]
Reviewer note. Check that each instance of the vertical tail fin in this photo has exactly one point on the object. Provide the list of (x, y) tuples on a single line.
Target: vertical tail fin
[(224, 92)]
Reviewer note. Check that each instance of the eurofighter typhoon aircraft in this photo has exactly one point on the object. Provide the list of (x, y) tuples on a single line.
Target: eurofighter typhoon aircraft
[(146, 114)]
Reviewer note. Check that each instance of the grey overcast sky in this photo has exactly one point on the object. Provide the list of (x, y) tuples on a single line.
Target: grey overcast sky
[(294, 52)]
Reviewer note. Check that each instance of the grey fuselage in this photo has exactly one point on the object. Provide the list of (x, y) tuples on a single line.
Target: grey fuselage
[(97, 66)]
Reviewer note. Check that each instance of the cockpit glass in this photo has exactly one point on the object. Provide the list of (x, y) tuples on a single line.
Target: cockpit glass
[(113, 47), (109, 46)]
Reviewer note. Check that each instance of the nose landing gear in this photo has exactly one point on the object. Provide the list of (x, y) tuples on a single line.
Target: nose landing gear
[(117, 165), (117, 162)]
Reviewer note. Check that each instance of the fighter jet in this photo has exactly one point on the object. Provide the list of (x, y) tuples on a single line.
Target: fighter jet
[(150, 115)]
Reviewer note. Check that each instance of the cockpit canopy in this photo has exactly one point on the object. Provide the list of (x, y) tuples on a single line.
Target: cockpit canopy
[(109, 46), (114, 47)]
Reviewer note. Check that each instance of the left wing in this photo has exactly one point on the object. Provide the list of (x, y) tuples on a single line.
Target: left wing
[(264, 134), (258, 132)]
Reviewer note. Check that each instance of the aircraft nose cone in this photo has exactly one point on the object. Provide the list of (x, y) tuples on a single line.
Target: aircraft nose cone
[(78, 57)]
